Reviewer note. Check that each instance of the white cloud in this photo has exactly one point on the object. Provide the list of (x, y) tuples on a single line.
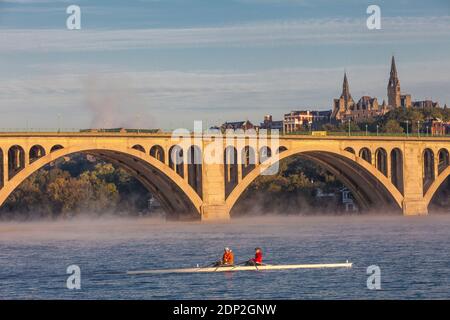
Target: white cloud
[(275, 33), (174, 98), (32, 1)]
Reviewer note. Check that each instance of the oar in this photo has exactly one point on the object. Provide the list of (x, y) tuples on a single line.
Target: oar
[(217, 267), (208, 265), (238, 264)]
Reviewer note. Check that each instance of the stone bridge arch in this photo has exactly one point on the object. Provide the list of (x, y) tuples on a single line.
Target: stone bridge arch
[(431, 191), (174, 193), (369, 186)]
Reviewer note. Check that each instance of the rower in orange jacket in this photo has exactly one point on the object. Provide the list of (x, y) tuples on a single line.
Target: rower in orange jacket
[(228, 257)]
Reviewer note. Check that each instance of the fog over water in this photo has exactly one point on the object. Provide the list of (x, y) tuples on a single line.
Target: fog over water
[(412, 253)]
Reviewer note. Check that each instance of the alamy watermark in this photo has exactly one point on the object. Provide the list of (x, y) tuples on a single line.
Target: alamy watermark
[(74, 280), (374, 278), (73, 22), (373, 22), (229, 147)]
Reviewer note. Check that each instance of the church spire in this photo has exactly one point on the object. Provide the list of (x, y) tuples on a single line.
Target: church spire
[(393, 68), (393, 88), (345, 88)]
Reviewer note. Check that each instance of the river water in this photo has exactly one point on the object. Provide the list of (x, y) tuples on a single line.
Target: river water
[(412, 253)]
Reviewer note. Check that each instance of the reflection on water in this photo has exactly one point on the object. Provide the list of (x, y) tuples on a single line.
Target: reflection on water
[(412, 253)]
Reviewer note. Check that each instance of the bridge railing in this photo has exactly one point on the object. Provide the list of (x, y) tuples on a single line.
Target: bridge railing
[(368, 134), (39, 130), (158, 131)]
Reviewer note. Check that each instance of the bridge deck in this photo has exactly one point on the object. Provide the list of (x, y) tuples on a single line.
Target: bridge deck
[(282, 136)]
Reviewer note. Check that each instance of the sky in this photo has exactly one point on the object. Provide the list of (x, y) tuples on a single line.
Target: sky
[(166, 63)]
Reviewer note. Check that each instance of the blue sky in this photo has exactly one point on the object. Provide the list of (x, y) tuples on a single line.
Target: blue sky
[(166, 63)]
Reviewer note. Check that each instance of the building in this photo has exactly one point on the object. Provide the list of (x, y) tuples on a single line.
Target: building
[(347, 200), (393, 87), (297, 121), (425, 104), (344, 105), (345, 108), (238, 125), (395, 98), (269, 124), (320, 118), (367, 108), (439, 127)]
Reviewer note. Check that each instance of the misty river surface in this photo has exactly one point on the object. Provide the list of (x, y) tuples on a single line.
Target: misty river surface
[(412, 253)]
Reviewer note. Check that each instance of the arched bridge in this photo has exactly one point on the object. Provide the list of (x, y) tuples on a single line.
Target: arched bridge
[(203, 176)]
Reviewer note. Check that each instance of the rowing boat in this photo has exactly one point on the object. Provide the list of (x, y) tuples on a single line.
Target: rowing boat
[(244, 268)]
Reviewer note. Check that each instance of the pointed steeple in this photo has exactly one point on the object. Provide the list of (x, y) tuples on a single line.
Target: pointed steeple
[(393, 68), (393, 88), (346, 89)]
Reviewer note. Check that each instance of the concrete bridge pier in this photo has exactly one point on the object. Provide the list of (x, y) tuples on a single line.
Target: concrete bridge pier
[(414, 203), (214, 207), (415, 207), (215, 212)]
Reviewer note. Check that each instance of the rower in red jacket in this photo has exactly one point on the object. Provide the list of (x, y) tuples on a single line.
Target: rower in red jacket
[(258, 259)]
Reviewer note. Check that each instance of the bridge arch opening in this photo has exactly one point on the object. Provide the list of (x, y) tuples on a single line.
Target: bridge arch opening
[(264, 153), (366, 154), (381, 160), (157, 152), (361, 179), (174, 197), (138, 147), (176, 160), (440, 201), (36, 152), (397, 169), (195, 169), (16, 160), (428, 168), (281, 149), (444, 160), (349, 149), (56, 148), (230, 169), (248, 160)]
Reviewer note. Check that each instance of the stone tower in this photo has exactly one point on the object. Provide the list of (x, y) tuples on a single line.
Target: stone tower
[(393, 88), (346, 90), (345, 104)]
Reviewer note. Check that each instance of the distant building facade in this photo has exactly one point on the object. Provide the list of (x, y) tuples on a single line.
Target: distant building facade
[(367, 108), (345, 108), (439, 127), (347, 200), (305, 120), (425, 104), (238, 125), (270, 124), (297, 121)]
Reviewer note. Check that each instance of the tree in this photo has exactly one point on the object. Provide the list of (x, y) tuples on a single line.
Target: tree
[(330, 127), (392, 126), (73, 187), (353, 126)]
